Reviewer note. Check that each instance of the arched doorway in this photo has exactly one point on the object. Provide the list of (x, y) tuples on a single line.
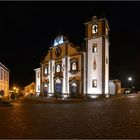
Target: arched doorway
[(74, 89), (58, 86), (45, 88)]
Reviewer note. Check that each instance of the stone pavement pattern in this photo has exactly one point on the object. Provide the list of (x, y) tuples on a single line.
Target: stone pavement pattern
[(109, 118)]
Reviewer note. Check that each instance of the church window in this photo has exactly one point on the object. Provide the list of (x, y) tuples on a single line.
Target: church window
[(45, 70), (58, 68), (94, 49), (94, 83), (94, 28), (74, 67)]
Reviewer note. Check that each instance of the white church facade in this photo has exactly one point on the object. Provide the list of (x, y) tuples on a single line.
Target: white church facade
[(71, 71)]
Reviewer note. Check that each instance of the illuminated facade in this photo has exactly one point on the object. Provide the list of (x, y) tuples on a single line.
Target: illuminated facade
[(4, 80), (114, 87), (29, 89), (97, 48), (37, 81), (73, 71)]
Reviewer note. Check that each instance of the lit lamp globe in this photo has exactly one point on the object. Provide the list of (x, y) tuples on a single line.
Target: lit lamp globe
[(130, 78)]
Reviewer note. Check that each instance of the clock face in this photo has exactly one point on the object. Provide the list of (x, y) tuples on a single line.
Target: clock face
[(57, 51), (94, 28)]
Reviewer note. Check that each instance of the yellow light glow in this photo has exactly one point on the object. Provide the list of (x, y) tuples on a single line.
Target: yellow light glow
[(65, 96), (93, 96), (31, 91), (50, 95), (107, 95)]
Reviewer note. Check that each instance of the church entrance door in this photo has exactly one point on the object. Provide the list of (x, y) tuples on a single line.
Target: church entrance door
[(45, 89), (74, 89), (58, 86)]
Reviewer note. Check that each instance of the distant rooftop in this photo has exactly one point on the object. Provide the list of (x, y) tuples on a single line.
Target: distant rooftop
[(4, 67)]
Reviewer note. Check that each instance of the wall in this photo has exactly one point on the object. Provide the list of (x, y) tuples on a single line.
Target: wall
[(4, 80)]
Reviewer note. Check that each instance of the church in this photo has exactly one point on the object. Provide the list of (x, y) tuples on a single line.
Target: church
[(71, 71)]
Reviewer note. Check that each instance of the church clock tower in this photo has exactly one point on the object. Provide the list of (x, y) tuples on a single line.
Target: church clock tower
[(97, 57)]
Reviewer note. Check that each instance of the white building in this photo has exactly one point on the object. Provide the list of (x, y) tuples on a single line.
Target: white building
[(37, 81), (73, 71), (4, 80), (114, 87)]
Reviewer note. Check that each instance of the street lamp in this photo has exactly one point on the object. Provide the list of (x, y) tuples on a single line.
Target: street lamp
[(14, 88), (130, 79)]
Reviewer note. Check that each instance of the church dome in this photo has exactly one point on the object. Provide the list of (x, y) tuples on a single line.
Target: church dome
[(60, 39)]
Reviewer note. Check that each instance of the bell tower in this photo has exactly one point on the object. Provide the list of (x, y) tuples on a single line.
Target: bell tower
[(97, 57)]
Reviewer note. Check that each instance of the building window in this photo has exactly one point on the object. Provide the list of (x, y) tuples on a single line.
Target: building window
[(45, 70), (58, 68), (7, 76), (106, 61), (74, 66), (38, 75), (94, 28), (38, 87), (94, 83), (94, 49), (2, 75)]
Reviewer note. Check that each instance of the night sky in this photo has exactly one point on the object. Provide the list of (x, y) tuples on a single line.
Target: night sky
[(27, 30)]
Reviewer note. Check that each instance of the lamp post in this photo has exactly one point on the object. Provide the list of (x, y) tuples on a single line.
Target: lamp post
[(131, 80), (14, 88)]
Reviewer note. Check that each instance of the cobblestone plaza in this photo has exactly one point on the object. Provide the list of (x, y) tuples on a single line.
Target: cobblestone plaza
[(117, 117)]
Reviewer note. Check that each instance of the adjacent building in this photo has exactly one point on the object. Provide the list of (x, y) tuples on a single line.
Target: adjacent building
[(37, 81), (115, 87), (77, 71), (29, 89), (4, 80)]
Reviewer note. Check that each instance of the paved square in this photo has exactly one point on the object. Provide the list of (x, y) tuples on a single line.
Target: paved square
[(107, 118)]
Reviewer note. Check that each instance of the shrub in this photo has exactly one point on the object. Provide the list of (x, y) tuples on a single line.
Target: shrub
[(57, 95)]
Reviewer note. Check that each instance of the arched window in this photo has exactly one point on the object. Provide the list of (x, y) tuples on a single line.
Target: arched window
[(58, 68), (74, 66), (94, 48), (46, 70)]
